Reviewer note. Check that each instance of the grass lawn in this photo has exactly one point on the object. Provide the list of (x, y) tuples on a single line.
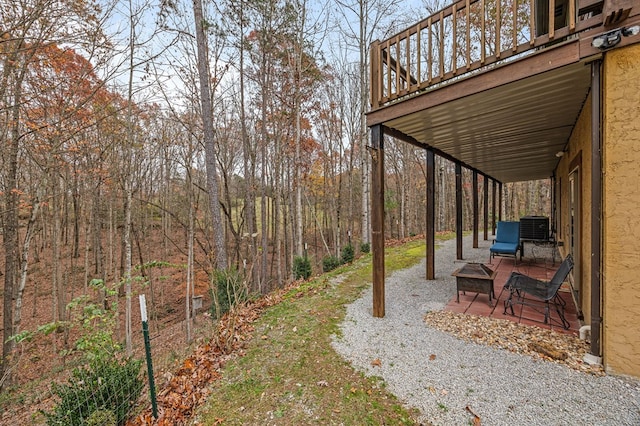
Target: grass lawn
[(290, 374)]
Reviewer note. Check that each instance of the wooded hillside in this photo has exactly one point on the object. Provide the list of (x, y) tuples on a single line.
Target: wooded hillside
[(114, 170)]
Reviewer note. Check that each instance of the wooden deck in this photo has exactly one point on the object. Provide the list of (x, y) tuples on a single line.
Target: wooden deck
[(472, 36)]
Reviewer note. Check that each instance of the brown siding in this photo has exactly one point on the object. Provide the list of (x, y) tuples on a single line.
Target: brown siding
[(621, 208)]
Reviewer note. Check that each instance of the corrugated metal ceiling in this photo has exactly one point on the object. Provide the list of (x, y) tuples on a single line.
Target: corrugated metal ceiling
[(511, 132)]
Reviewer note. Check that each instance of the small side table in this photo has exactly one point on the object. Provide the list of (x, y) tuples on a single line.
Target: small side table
[(475, 277)]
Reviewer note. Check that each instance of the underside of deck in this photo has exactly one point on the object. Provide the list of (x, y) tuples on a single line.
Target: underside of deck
[(509, 117), (508, 123)]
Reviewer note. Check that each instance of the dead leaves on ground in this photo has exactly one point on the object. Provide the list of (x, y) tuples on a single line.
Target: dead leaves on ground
[(538, 342), (188, 387), (547, 349), (476, 418)]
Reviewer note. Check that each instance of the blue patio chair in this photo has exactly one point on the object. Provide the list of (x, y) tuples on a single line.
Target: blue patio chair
[(525, 290), (507, 242)]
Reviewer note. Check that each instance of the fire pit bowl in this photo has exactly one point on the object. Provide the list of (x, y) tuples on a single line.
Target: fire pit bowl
[(475, 277)]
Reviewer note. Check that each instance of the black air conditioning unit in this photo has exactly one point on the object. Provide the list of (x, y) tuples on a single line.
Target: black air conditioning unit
[(534, 228)]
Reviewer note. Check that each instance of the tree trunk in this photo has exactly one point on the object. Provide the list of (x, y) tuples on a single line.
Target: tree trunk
[(208, 135), (10, 230), (127, 181), (76, 218), (59, 303), (278, 202), (189, 283), (265, 81), (248, 164), (364, 155), (87, 245), (25, 264), (298, 234), (126, 238)]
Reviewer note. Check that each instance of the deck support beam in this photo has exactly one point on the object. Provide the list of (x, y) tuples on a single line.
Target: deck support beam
[(430, 231), (493, 207), (554, 197), (377, 218), (459, 211), (499, 201), (475, 208), (485, 193)]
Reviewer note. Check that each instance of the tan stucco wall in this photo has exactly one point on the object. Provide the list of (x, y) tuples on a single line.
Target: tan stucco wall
[(579, 154), (621, 211)]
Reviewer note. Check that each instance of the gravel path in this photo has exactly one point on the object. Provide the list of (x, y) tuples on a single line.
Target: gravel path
[(442, 375)]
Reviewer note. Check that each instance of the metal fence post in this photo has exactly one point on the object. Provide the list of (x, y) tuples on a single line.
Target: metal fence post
[(147, 350)]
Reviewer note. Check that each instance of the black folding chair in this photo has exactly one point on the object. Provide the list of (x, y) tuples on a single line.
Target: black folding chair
[(525, 290)]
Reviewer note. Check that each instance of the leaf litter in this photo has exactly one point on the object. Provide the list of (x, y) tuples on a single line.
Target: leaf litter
[(188, 387), (540, 343)]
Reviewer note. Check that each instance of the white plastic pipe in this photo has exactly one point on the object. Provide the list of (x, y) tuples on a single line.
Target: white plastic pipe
[(583, 331)]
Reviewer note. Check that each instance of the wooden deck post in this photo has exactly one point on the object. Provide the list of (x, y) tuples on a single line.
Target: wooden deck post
[(485, 184), (377, 217), (493, 208), (554, 212), (374, 74), (475, 209), (431, 215), (499, 201), (458, 211)]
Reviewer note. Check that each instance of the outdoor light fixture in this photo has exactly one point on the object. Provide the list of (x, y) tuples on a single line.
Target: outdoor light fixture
[(631, 31), (559, 154), (607, 40), (611, 38)]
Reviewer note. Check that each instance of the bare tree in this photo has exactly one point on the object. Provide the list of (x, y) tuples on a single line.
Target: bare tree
[(238, 24), (25, 32), (208, 135), (361, 21)]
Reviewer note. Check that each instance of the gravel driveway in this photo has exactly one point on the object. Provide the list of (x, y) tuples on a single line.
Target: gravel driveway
[(448, 379)]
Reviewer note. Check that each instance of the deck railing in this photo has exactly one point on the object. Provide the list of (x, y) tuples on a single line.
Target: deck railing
[(467, 37)]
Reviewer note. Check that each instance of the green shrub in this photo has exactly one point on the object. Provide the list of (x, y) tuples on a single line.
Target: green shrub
[(106, 385), (301, 267), (102, 391), (228, 289), (365, 247), (102, 418), (348, 254), (329, 263)]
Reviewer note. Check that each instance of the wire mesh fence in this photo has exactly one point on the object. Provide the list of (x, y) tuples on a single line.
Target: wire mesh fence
[(98, 391)]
